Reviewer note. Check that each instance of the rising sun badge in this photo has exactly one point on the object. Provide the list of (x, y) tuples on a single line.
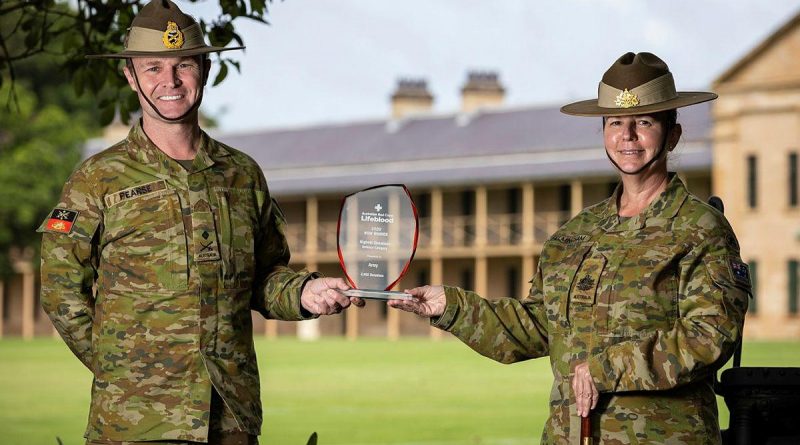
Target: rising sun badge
[(626, 99)]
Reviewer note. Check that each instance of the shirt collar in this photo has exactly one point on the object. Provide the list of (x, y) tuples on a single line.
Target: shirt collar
[(142, 149), (666, 206)]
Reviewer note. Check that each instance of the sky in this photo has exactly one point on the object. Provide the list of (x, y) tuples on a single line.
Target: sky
[(325, 61)]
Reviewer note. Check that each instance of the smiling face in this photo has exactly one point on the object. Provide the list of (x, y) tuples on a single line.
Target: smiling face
[(171, 84), (633, 141)]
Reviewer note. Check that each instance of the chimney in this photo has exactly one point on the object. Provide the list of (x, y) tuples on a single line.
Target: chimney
[(411, 97), (482, 90)]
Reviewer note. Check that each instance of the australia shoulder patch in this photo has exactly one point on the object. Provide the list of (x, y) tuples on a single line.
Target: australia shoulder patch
[(740, 272), (61, 220)]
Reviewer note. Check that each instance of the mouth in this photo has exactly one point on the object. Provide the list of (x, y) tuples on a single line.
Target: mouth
[(630, 152), (171, 97)]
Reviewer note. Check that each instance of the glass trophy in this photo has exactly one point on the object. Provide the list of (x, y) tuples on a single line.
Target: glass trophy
[(377, 238)]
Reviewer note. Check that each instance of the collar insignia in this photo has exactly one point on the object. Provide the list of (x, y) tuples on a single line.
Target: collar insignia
[(626, 99), (173, 37)]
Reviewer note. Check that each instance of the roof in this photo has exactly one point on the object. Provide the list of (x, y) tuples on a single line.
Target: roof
[(489, 146), (751, 56)]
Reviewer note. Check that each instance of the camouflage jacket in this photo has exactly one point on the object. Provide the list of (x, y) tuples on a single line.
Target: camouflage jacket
[(177, 260), (654, 303)]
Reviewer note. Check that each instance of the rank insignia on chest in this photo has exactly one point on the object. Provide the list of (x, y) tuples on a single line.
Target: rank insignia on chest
[(61, 220), (586, 283)]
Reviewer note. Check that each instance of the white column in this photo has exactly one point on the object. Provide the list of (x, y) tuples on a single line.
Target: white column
[(576, 197), (309, 329)]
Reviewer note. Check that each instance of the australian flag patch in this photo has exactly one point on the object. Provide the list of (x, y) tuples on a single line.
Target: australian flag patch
[(740, 271)]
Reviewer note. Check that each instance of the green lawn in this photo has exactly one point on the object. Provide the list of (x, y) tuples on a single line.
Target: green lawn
[(372, 391)]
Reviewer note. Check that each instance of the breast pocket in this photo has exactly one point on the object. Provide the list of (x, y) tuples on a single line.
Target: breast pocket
[(560, 263), (238, 213), (644, 296), (144, 244)]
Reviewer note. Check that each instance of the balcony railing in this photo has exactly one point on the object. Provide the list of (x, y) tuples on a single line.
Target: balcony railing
[(457, 231), (326, 236), (296, 237), (546, 224), (504, 230)]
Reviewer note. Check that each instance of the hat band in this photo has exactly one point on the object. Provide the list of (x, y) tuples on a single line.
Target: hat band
[(660, 89), (151, 40)]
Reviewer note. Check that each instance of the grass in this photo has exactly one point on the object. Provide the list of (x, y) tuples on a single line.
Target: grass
[(414, 391)]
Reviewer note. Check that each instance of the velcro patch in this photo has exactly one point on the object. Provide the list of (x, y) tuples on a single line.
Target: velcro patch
[(115, 198), (740, 272), (61, 220)]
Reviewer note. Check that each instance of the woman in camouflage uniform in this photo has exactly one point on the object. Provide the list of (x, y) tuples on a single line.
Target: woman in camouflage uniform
[(638, 300)]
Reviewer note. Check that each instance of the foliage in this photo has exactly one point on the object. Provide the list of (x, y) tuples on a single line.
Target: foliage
[(39, 146), (41, 140), (70, 29)]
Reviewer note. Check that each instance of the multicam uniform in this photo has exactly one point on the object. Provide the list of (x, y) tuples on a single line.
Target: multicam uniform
[(177, 259), (653, 303)]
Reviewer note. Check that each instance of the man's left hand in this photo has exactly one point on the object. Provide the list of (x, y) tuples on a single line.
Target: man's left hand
[(322, 296)]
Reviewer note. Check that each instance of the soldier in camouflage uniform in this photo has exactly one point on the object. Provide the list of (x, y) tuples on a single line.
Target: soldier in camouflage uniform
[(637, 300), (156, 253)]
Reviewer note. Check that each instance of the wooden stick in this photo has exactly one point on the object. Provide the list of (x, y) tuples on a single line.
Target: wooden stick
[(586, 431)]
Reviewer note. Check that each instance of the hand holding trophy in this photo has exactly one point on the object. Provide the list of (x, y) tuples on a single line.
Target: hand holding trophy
[(377, 239)]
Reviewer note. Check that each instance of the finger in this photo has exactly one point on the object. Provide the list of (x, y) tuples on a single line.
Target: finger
[(340, 284), (417, 291), (595, 396), (358, 302), (339, 298)]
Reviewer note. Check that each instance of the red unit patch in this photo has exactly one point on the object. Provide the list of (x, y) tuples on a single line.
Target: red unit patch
[(61, 220)]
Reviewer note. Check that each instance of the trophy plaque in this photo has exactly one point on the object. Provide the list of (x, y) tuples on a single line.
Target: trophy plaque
[(376, 240)]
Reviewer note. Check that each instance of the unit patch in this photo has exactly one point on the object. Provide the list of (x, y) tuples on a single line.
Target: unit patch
[(61, 220)]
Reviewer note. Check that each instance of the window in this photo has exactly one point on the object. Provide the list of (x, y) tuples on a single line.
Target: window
[(422, 277), (466, 279), (794, 293), (753, 266), (752, 179), (513, 282), (564, 203), (793, 186)]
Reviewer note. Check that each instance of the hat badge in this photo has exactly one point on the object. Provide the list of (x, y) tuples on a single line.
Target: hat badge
[(173, 37), (626, 99)]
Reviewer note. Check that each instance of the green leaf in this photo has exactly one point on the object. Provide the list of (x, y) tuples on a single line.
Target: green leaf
[(223, 72), (107, 115)]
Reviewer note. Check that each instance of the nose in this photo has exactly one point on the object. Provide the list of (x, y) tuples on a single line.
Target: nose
[(629, 131), (171, 78)]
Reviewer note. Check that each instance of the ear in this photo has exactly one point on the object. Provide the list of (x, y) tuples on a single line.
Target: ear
[(129, 77), (675, 136)]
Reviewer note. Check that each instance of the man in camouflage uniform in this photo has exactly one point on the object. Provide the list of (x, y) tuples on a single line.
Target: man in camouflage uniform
[(636, 309), (156, 253)]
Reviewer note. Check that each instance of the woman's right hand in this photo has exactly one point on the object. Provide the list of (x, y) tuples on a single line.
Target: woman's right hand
[(427, 301)]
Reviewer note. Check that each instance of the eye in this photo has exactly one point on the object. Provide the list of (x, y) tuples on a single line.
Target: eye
[(644, 123), (613, 122), (152, 69)]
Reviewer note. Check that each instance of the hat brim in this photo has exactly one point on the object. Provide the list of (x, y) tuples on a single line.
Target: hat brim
[(170, 53), (590, 107)]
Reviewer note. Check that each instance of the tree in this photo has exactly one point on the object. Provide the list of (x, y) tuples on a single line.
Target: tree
[(69, 29)]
